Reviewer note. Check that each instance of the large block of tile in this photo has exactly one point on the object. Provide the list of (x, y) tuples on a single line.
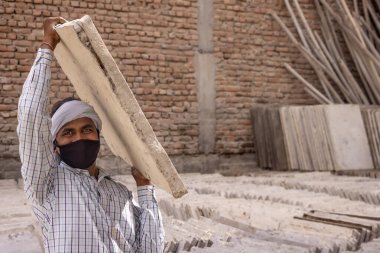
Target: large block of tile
[(371, 118), (313, 138), (348, 137), (98, 81)]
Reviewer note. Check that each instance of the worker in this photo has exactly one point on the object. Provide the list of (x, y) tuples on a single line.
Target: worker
[(79, 207)]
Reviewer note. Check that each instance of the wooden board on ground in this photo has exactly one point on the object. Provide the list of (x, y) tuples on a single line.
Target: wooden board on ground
[(98, 81)]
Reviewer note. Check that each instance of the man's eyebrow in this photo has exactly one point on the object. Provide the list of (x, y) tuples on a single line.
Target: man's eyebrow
[(88, 125), (67, 129)]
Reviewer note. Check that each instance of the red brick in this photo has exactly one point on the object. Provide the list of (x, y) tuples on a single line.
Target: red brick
[(7, 54), (22, 43), (4, 107), (24, 55), (9, 10)]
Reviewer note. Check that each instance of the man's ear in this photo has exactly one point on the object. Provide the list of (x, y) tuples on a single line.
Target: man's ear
[(56, 148)]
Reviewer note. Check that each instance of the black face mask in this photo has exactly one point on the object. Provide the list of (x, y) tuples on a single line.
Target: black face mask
[(80, 154)]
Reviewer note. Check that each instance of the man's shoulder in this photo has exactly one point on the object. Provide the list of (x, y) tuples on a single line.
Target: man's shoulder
[(115, 185), (115, 182)]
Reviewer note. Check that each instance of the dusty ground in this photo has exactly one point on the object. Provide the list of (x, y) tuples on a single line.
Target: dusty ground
[(251, 213)]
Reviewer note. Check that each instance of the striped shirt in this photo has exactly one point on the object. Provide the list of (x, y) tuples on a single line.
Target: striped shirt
[(77, 212)]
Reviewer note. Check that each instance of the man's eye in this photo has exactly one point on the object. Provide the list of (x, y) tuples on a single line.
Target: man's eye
[(67, 133), (88, 130)]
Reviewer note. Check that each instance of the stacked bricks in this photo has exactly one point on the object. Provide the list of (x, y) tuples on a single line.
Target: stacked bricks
[(154, 43)]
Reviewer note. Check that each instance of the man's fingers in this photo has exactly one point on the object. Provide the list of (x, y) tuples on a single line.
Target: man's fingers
[(62, 20), (55, 20), (139, 178), (135, 172), (51, 37), (58, 21)]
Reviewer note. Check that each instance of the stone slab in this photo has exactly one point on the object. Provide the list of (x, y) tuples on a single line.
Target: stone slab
[(314, 138), (371, 121), (98, 81), (348, 137), (264, 200)]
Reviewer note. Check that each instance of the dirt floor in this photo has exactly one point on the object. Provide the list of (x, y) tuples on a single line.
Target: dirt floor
[(257, 212)]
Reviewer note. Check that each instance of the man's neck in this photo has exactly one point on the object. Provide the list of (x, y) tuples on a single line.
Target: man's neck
[(93, 170)]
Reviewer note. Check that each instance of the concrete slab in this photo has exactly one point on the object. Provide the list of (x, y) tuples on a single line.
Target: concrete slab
[(313, 138), (348, 137), (98, 81), (371, 120), (11, 241), (252, 213)]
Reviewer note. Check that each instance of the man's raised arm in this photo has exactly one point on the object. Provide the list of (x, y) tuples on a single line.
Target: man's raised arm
[(35, 142)]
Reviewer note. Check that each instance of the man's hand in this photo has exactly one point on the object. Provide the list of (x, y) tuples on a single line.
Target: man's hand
[(139, 178), (51, 37)]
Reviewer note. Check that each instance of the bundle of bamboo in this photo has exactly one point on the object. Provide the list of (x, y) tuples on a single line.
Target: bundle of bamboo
[(358, 30)]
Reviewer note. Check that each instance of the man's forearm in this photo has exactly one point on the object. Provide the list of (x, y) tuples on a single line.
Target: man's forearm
[(36, 86), (35, 146), (151, 230)]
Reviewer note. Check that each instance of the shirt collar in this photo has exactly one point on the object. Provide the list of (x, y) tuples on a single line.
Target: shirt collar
[(102, 174)]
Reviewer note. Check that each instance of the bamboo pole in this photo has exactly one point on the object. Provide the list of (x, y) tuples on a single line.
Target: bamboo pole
[(349, 18), (335, 69), (322, 55), (350, 34), (318, 67), (315, 93), (304, 22), (375, 39), (295, 21), (375, 18), (361, 36)]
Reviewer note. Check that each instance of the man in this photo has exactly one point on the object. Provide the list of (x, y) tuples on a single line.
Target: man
[(79, 207)]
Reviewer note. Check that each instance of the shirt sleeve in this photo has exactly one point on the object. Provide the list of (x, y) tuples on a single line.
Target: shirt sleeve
[(150, 230), (35, 142)]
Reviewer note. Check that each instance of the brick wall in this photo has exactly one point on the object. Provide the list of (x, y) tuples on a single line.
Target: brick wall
[(251, 48), (154, 43)]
